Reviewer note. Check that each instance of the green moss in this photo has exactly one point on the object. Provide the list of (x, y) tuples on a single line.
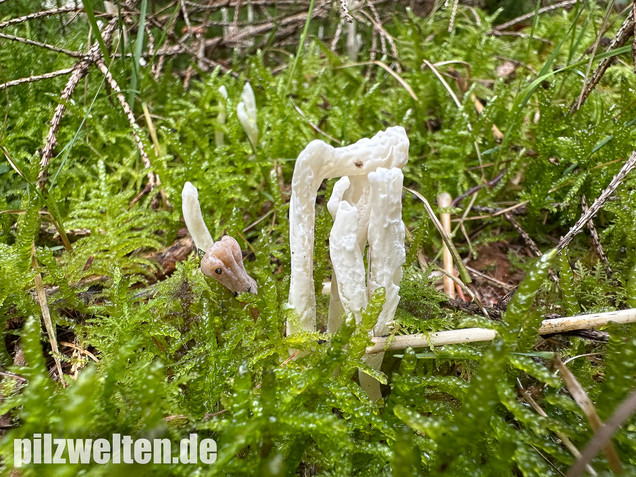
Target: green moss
[(180, 354)]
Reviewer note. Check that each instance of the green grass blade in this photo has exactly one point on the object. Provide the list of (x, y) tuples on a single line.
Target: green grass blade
[(139, 44), (303, 36), (88, 8)]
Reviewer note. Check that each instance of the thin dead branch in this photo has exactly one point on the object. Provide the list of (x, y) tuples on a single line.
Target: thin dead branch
[(46, 317), (447, 240), (581, 397), (152, 179), (524, 235), (36, 15), (598, 248), (528, 16), (32, 79), (601, 437), (39, 44), (490, 279), (624, 32), (473, 335), (528, 240), (386, 68), (79, 71), (598, 203), (519, 34), (527, 396)]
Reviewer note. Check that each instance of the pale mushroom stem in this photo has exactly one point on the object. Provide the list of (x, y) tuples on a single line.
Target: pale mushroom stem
[(336, 309), (347, 262), (386, 257), (349, 208), (194, 218), (444, 201)]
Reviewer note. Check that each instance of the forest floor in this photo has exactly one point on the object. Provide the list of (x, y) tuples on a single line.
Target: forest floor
[(525, 118)]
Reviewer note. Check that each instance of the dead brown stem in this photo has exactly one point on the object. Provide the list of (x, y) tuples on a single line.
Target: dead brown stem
[(595, 239), (473, 335), (41, 14), (46, 316), (624, 32), (79, 71), (152, 180), (528, 16), (444, 201), (26, 41), (32, 79), (601, 437), (598, 203), (585, 403)]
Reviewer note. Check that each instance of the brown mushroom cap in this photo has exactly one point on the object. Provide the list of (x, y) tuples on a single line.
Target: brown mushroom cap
[(223, 261)]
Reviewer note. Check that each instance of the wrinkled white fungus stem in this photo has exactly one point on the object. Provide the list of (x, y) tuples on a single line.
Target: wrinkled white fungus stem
[(386, 241), (366, 205), (218, 134), (374, 214), (319, 161), (386, 256), (346, 258), (246, 112), (336, 308), (223, 260), (194, 218)]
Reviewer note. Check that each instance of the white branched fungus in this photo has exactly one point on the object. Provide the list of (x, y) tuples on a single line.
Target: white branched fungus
[(366, 205)]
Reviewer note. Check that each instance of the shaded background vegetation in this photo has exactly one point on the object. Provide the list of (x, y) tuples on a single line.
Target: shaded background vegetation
[(176, 353)]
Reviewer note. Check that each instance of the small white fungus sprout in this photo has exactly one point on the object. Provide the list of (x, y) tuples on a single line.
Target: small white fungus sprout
[(218, 134), (246, 111)]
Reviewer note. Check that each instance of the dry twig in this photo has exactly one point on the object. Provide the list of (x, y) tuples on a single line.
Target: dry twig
[(594, 236), (528, 16), (601, 437), (32, 79), (623, 34), (57, 49), (152, 179), (598, 203), (472, 335), (527, 396), (46, 317), (587, 406), (79, 71), (36, 15)]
